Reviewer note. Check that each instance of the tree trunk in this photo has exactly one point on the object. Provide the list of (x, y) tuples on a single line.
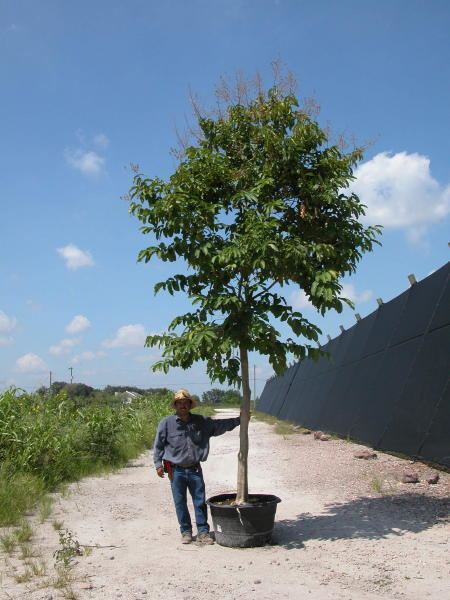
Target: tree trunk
[(242, 479)]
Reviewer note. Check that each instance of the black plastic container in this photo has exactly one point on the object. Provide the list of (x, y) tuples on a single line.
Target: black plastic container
[(246, 525)]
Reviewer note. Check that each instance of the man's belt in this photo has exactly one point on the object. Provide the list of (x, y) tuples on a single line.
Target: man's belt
[(190, 466)]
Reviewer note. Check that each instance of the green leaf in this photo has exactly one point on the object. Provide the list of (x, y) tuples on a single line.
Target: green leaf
[(260, 201)]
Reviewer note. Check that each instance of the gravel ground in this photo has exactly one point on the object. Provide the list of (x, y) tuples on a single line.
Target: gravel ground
[(346, 529)]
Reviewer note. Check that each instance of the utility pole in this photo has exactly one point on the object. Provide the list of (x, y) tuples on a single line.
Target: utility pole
[(71, 374), (50, 384), (254, 383)]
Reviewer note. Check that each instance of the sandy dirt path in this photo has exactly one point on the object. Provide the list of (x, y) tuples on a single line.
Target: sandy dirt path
[(346, 529)]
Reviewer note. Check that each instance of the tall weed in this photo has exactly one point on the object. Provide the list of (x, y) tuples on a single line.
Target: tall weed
[(47, 439)]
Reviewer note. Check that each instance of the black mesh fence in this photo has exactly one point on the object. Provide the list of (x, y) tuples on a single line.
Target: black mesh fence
[(386, 382)]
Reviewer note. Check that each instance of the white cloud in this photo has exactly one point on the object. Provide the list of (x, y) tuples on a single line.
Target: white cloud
[(77, 324), (31, 363), (64, 346), (88, 355), (87, 162), (128, 335), (101, 140), (75, 258), (349, 291), (299, 300), (400, 193), (7, 324)]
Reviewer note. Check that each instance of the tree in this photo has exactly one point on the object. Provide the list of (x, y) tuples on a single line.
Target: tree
[(80, 390), (218, 396), (214, 396), (260, 200), (232, 397), (196, 398), (58, 386)]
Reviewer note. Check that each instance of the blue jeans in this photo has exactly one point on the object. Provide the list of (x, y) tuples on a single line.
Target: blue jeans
[(189, 479)]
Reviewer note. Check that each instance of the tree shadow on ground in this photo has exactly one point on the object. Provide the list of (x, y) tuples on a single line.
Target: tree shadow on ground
[(369, 518)]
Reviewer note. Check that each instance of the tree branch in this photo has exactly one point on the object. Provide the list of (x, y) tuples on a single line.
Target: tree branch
[(265, 290)]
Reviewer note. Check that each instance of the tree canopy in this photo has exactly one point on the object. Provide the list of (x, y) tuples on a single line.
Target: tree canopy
[(218, 396), (261, 201)]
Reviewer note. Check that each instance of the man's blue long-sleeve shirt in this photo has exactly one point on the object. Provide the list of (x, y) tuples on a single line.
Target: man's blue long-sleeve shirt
[(184, 443)]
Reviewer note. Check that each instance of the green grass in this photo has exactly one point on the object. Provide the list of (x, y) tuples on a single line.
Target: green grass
[(19, 492), (38, 568), (64, 577), (281, 427), (27, 551), (24, 577), (69, 594), (377, 485), (45, 508), (24, 533), (207, 410), (8, 543), (49, 440)]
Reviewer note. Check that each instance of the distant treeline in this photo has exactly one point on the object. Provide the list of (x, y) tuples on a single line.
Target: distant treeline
[(218, 396), (83, 391)]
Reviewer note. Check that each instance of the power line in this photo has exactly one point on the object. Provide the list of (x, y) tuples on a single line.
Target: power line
[(164, 384)]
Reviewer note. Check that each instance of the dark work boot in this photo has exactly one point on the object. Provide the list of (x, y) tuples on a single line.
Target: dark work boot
[(186, 537), (204, 539)]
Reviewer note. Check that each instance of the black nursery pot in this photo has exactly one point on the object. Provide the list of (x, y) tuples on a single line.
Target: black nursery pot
[(246, 525)]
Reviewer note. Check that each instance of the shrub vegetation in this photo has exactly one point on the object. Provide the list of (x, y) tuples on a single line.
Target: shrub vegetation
[(47, 439), (226, 397)]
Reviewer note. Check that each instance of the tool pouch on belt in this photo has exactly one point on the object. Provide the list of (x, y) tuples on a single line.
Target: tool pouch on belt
[(168, 468)]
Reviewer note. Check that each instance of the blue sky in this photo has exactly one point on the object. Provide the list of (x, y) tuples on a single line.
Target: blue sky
[(89, 87)]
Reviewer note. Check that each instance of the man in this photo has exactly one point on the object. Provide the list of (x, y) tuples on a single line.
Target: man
[(182, 442)]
